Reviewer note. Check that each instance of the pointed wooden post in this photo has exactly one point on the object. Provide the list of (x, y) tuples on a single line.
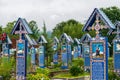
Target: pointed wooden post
[(42, 41), (116, 48), (85, 41), (64, 40), (6, 47), (98, 45), (21, 27), (55, 46), (33, 52), (77, 48)]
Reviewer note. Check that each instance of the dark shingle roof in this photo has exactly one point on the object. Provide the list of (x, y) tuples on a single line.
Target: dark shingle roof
[(56, 40), (102, 16), (25, 26), (42, 39), (85, 38), (64, 35)]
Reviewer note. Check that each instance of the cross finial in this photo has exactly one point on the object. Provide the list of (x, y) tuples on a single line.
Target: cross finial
[(97, 26), (20, 31), (117, 31)]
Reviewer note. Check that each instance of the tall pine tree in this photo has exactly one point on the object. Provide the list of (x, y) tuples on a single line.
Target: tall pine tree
[(48, 47)]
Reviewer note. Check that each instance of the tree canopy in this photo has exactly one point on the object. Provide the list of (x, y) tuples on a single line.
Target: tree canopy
[(34, 27), (113, 13), (71, 27)]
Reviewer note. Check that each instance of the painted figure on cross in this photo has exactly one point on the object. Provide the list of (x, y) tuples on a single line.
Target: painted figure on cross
[(98, 52)]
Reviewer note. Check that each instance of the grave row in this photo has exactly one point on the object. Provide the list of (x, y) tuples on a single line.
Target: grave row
[(94, 50)]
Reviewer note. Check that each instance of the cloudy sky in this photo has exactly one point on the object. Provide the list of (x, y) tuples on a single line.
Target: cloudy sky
[(50, 11)]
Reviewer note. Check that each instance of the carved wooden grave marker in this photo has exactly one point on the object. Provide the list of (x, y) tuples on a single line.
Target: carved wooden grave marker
[(98, 45), (21, 27)]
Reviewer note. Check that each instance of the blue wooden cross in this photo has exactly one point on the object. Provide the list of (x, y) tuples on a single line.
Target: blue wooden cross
[(98, 45), (85, 41), (77, 48), (21, 27), (55, 46), (6, 47), (33, 52), (42, 41), (65, 40), (116, 48)]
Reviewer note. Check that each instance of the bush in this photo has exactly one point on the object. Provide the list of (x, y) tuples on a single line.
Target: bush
[(57, 65), (78, 62), (110, 64), (43, 71), (113, 76), (41, 74), (37, 76), (6, 67), (75, 70)]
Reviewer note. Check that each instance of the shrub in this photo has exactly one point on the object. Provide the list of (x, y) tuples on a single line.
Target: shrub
[(37, 76), (110, 63), (6, 66), (41, 74), (57, 65), (75, 70), (43, 71), (113, 76), (78, 62)]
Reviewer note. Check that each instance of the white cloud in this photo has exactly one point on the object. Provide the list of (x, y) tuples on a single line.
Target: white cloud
[(52, 11)]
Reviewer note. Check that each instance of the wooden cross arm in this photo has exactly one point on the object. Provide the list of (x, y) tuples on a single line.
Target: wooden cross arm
[(20, 32)]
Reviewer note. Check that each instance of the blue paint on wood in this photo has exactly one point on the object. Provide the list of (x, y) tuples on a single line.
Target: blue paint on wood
[(79, 51), (117, 61), (33, 52), (116, 50), (87, 61), (98, 71), (55, 58), (25, 26), (76, 52), (86, 52), (99, 63), (21, 61), (41, 57), (102, 16), (64, 57), (69, 52), (21, 27)]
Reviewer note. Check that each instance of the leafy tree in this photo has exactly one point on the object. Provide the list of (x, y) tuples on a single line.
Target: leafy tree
[(8, 29), (34, 27), (71, 27), (113, 13)]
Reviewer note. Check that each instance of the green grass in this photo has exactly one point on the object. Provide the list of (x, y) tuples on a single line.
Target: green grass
[(55, 69), (68, 75)]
